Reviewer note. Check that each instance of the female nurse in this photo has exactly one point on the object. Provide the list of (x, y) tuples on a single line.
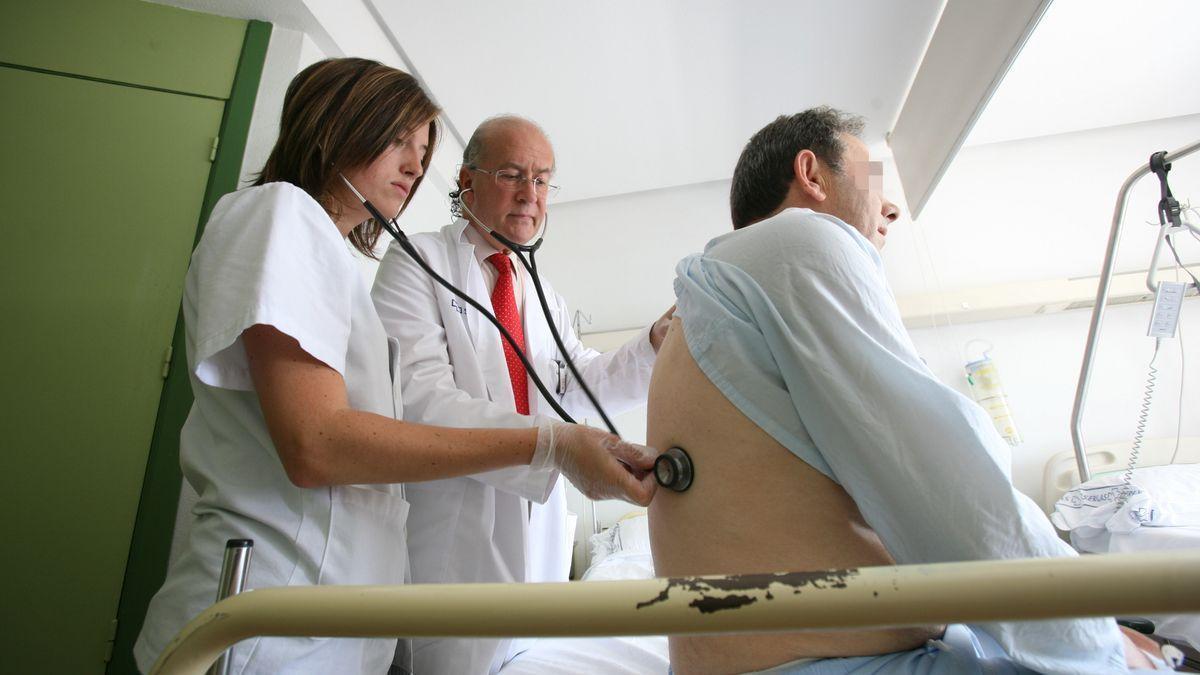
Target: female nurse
[(293, 439)]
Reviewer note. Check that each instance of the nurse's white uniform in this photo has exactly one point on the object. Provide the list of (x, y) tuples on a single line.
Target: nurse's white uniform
[(481, 528), (271, 255)]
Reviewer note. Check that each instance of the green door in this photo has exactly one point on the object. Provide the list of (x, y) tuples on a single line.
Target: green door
[(102, 187)]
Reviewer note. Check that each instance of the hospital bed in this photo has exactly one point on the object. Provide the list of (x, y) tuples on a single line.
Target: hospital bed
[(971, 592), (621, 551), (1088, 515), (614, 551), (611, 543)]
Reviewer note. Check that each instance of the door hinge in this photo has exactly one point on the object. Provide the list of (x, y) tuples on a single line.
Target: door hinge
[(112, 638), (166, 364), (212, 153)]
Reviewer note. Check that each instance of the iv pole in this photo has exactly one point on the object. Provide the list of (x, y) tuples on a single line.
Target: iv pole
[(1106, 273)]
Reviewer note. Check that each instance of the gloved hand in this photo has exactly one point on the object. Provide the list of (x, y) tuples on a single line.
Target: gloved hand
[(599, 464)]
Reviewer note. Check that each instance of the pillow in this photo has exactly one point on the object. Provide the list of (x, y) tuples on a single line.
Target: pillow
[(631, 534), (601, 545), (1157, 496)]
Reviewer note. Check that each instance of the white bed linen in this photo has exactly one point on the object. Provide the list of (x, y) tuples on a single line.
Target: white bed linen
[(1185, 627), (620, 553), (1161, 513), (637, 655), (1155, 497)]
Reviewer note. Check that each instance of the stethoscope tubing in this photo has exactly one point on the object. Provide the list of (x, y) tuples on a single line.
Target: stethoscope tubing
[(390, 226), (531, 267)]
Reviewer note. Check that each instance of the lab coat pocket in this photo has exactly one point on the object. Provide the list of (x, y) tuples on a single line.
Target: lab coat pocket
[(367, 537), (394, 373), (554, 375)]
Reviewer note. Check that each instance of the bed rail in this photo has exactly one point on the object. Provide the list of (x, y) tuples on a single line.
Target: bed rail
[(1106, 273), (1099, 585)]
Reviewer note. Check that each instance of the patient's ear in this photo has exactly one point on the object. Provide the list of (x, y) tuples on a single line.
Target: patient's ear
[(809, 178)]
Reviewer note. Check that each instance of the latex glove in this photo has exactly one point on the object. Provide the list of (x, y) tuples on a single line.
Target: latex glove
[(599, 464), (658, 332)]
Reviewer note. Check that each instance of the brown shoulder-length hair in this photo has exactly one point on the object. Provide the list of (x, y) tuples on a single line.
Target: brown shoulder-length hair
[(339, 115)]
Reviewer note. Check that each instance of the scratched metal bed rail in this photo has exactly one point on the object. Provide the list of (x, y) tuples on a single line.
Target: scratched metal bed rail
[(1099, 585)]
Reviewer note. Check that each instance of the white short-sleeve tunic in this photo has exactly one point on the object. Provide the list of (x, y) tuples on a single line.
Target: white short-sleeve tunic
[(271, 255)]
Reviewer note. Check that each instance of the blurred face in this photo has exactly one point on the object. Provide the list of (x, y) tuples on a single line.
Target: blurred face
[(387, 181), (515, 211), (857, 195)]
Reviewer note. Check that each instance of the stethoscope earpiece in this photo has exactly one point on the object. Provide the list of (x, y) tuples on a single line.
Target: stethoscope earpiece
[(673, 470)]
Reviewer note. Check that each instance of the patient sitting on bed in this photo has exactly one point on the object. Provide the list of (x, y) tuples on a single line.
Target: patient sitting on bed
[(820, 439)]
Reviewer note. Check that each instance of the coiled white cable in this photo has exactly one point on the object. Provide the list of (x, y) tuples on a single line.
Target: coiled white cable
[(1142, 421)]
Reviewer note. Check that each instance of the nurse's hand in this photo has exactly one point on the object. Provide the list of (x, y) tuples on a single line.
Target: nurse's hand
[(599, 464)]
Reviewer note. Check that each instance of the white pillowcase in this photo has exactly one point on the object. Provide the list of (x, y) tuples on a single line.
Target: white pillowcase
[(622, 551), (1157, 496)]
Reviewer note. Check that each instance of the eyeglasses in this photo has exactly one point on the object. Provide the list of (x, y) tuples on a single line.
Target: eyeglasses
[(510, 180)]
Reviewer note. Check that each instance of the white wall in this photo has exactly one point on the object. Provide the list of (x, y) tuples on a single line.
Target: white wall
[(1040, 208), (288, 53), (1022, 210), (1039, 360), (614, 257)]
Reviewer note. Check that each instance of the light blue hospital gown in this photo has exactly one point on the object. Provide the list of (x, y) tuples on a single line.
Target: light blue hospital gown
[(793, 320)]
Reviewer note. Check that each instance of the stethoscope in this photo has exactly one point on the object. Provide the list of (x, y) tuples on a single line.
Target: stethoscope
[(530, 266), (392, 228), (672, 469)]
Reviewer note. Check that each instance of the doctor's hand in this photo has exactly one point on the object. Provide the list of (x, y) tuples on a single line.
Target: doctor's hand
[(599, 464), (658, 332)]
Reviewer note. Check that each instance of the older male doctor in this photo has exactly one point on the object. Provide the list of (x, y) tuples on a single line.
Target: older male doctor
[(508, 525)]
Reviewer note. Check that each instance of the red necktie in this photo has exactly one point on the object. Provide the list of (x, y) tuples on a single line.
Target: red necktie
[(504, 305)]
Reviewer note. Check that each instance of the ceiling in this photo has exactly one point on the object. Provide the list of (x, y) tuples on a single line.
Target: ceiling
[(641, 96), (653, 101), (1098, 63)]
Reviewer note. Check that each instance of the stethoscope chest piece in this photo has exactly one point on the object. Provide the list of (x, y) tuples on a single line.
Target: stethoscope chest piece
[(673, 470)]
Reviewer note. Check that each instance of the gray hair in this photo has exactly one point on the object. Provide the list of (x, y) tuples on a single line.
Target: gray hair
[(765, 169)]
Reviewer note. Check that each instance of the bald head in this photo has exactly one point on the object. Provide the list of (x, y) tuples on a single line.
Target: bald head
[(496, 181), (500, 127)]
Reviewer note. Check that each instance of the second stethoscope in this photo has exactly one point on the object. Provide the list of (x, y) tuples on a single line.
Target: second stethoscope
[(389, 225)]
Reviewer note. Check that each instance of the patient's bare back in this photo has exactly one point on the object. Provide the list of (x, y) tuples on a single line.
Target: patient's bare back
[(753, 507)]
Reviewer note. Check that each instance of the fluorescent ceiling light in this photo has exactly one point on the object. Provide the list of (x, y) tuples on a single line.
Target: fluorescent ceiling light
[(972, 48)]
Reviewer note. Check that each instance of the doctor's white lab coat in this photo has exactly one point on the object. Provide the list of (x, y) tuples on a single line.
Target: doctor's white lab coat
[(482, 528)]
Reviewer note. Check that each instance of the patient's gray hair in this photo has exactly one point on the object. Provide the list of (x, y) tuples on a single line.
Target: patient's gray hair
[(765, 169)]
